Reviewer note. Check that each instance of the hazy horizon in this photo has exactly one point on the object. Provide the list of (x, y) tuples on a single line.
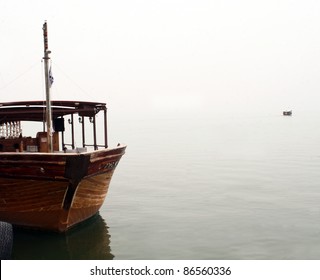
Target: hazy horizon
[(165, 56)]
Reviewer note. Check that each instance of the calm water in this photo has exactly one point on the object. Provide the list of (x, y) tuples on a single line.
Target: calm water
[(208, 187)]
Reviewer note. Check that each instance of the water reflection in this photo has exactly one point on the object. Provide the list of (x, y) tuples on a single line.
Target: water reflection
[(88, 241)]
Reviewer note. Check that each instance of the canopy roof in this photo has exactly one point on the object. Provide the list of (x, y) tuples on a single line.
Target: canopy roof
[(36, 110)]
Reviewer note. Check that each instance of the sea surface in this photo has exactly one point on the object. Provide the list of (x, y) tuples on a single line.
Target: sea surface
[(202, 186)]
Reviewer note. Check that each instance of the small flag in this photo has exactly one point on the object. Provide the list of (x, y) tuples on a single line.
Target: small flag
[(51, 79)]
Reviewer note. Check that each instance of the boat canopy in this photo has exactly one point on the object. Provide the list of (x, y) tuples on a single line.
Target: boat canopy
[(13, 113), (35, 110)]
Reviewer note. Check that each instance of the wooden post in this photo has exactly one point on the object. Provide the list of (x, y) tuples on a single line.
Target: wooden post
[(83, 132), (105, 129), (72, 131), (94, 133)]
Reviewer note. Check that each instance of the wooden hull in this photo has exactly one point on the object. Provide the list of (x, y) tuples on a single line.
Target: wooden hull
[(54, 191)]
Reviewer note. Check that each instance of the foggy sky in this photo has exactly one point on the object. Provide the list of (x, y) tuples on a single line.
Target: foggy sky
[(165, 56)]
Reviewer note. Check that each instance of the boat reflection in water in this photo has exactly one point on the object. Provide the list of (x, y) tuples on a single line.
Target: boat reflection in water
[(88, 241)]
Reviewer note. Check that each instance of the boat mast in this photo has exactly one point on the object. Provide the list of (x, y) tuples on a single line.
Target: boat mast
[(47, 81)]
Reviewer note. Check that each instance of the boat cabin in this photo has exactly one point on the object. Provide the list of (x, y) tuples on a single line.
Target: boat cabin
[(12, 114)]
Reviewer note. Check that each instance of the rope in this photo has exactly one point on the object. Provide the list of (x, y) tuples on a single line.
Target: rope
[(19, 76)]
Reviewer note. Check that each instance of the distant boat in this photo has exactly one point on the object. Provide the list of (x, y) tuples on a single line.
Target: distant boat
[(45, 182), (287, 113)]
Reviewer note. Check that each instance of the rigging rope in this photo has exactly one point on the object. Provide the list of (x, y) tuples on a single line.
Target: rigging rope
[(19, 76)]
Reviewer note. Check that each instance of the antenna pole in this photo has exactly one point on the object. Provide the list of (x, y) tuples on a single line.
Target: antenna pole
[(47, 81)]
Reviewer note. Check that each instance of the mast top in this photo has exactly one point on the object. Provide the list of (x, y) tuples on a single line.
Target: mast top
[(45, 40)]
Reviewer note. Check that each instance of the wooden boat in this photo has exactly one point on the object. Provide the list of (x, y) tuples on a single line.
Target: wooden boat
[(46, 183), (287, 113)]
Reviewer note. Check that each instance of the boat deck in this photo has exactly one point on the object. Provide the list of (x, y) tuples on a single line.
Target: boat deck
[(29, 144)]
